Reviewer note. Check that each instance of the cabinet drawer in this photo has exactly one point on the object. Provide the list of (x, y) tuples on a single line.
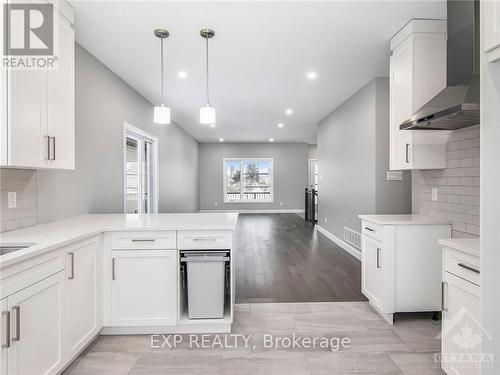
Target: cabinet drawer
[(204, 239), (462, 265), (143, 240), (372, 230)]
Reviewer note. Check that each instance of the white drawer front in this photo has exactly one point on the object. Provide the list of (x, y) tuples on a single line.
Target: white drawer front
[(372, 230), (144, 240), (204, 239), (462, 265)]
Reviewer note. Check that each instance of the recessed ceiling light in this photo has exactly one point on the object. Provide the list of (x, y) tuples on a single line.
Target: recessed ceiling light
[(221, 139), (311, 76), (212, 125), (289, 111), (280, 125), (182, 74), (271, 139)]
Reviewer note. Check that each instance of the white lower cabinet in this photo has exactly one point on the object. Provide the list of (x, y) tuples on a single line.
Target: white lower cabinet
[(83, 293), (144, 288), (37, 328), (4, 335), (372, 276)]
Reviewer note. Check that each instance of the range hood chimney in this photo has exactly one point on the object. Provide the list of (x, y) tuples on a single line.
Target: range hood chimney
[(457, 105)]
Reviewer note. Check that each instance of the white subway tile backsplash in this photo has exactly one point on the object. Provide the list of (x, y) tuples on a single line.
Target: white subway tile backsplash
[(23, 182), (458, 184)]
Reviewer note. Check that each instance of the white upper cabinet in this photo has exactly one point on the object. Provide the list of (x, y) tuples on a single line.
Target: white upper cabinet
[(417, 74), (491, 29), (38, 122)]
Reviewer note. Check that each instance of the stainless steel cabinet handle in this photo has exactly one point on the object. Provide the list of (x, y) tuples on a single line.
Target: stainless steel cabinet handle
[(143, 240), (17, 314), (71, 266), (113, 275), (378, 257), (47, 138), (53, 144), (469, 268), (407, 152), (6, 343), (204, 239), (443, 289), (369, 229)]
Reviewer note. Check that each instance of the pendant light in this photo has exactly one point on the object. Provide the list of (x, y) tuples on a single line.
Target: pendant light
[(207, 113), (162, 112)]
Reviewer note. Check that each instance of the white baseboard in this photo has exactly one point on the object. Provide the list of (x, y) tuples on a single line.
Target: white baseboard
[(277, 211), (344, 245)]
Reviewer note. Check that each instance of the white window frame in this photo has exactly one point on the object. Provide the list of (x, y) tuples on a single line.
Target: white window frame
[(241, 160), (131, 131)]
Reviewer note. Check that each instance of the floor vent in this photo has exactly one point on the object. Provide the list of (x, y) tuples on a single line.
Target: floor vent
[(352, 237)]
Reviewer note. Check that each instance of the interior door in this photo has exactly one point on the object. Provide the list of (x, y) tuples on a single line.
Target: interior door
[(82, 282), (37, 328), (372, 281), (132, 177), (61, 101), (144, 287)]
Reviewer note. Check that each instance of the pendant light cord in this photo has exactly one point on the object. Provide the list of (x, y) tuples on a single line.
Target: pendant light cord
[(162, 73), (208, 95)]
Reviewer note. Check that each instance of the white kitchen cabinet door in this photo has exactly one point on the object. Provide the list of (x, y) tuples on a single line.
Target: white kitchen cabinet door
[(4, 336), (460, 313), (61, 103), (36, 315), (401, 99), (491, 29), (144, 288), (372, 271), (27, 142), (82, 294)]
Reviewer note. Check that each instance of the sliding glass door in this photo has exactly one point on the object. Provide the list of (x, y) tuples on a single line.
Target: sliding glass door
[(140, 172)]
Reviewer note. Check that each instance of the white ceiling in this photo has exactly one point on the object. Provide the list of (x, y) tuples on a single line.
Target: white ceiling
[(259, 57)]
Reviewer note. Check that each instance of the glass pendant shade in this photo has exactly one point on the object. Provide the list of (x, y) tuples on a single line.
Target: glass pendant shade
[(162, 114), (207, 115)]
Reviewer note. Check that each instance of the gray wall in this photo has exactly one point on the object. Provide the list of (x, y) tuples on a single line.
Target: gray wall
[(353, 153), (458, 185), (102, 103), (490, 208), (290, 174)]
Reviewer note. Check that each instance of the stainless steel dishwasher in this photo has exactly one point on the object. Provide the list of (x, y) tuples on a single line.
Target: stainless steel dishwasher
[(206, 281)]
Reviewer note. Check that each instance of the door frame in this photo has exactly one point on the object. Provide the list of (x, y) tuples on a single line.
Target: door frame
[(140, 136)]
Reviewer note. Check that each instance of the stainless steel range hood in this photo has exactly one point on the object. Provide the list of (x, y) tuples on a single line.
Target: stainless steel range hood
[(456, 106)]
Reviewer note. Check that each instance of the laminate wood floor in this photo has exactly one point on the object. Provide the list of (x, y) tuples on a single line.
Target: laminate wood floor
[(408, 347), (283, 258)]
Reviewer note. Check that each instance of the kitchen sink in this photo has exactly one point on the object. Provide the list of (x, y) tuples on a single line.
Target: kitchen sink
[(10, 248)]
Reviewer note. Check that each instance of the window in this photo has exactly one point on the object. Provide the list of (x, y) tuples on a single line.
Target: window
[(248, 180), (140, 172)]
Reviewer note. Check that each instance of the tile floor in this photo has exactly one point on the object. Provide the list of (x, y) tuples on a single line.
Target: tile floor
[(408, 347)]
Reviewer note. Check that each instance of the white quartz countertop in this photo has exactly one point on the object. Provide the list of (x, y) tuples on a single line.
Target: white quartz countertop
[(403, 220), (467, 245), (49, 236)]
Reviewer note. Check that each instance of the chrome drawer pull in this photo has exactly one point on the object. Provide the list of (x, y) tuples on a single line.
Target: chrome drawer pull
[(378, 257), (443, 288), (205, 239), (369, 229), (143, 240), (17, 310), (469, 268), (6, 343), (72, 266)]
